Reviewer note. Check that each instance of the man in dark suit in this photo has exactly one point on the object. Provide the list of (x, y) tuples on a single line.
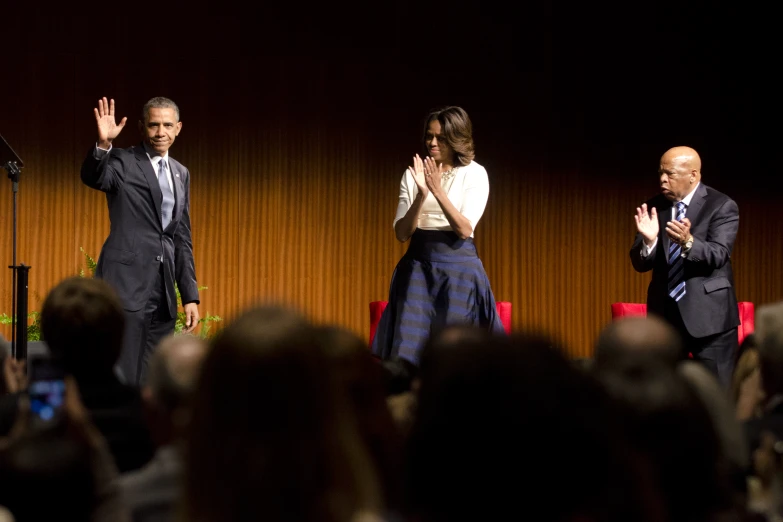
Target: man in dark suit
[(685, 236), (149, 246)]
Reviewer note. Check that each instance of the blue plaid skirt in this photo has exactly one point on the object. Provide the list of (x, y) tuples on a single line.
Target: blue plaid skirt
[(439, 281)]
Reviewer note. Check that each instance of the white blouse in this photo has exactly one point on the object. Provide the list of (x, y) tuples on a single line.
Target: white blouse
[(468, 190)]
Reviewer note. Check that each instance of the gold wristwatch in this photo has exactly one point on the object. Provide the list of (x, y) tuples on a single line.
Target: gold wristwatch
[(688, 244)]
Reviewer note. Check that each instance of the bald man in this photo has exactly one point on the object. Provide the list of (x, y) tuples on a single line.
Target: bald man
[(685, 235), (649, 335)]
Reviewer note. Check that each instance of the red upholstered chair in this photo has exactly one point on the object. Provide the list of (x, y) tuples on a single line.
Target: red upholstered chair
[(504, 311), (746, 314), (377, 308), (625, 309)]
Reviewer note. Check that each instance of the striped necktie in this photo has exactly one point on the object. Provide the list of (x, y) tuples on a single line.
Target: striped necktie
[(677, 263)]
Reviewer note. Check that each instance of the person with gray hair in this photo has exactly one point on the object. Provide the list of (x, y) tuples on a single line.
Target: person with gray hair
[(149, 247), (734, 448), (769, 337), (152, 491), (173, 372)]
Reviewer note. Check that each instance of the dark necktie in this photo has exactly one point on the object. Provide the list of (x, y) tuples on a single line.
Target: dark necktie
[(677, 263)]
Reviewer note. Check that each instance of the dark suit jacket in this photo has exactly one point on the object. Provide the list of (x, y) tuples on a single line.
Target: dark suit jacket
[(710, 304), (131, 255)]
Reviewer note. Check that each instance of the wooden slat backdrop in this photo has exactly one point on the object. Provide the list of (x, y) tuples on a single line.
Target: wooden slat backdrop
[(296, 159)]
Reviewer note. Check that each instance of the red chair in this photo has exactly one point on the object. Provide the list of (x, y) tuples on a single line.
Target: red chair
[(377, 308), (746, 314)]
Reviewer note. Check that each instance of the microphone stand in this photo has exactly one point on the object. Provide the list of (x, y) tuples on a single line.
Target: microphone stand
[(11, 162)]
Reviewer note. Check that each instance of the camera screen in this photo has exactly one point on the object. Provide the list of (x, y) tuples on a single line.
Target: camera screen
[(46, 398)]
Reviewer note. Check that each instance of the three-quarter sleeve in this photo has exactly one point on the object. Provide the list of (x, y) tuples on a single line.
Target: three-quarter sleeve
[(405, 197), (475, 194)]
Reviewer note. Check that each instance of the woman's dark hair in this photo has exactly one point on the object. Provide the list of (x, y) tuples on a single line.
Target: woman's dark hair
[(362, 379), (687, 464), (514, 403), (273, 435), (456, 130), (82, 322), (750, 342)]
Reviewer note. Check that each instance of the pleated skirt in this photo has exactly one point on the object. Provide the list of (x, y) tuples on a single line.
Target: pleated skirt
[(439, 281)]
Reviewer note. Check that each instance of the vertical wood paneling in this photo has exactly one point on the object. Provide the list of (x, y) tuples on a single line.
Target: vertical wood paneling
[(211, 146), (261, 180), (295, 173), (46, 205), (94, 79), (35, 119), (758, 252)]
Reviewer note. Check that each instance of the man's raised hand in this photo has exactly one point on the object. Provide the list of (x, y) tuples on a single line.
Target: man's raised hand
[(108, 129)]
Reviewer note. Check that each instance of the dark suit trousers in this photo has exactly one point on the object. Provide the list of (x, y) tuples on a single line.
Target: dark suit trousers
[(716, 352), (144, 329)]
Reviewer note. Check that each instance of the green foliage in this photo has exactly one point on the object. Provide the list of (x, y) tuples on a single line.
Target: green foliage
[(91, 263), (34, 328), (205, 321)]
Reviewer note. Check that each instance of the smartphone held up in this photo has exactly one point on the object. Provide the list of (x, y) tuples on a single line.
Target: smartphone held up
[(46, 390)]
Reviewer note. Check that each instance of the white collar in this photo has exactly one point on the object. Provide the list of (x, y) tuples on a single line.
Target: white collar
[(154, 157), (687, 199)]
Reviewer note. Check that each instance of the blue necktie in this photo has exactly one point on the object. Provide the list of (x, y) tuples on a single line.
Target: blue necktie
[(167, 205), (677, 263)]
